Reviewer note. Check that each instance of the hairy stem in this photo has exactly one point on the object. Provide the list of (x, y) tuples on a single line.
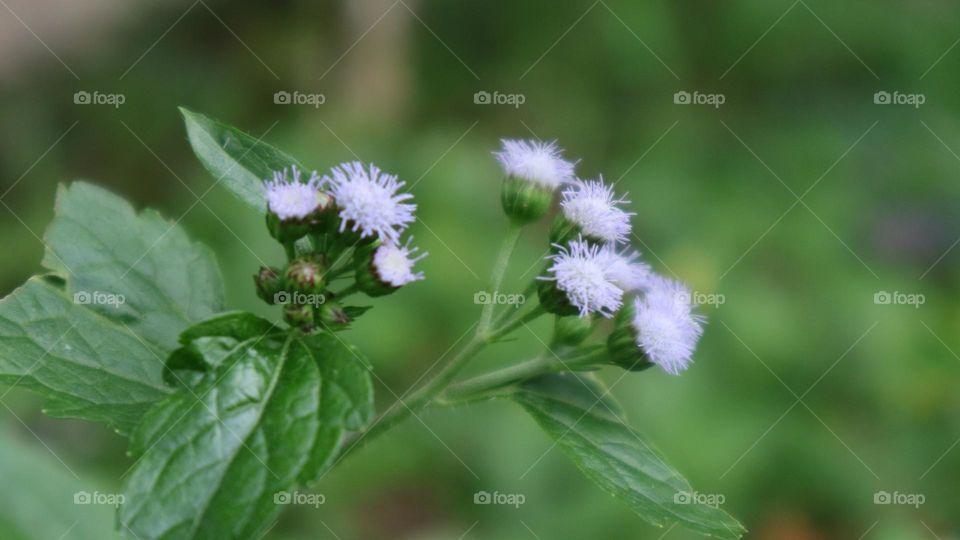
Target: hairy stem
[(496, 276)]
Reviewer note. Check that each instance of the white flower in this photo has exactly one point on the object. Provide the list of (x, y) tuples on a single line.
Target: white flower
[(592, 206), (579, 270), (290, 198), (394, 264), (667, 329), (535, 161), (369, 202), (625, 270)]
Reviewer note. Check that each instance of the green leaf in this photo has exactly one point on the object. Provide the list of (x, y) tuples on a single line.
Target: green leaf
[(263, 418), (240, 161), (161, 281), (87, 366), (615, 456)]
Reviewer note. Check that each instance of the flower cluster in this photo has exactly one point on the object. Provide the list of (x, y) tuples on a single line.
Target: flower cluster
[(341, 227), (592, 271)]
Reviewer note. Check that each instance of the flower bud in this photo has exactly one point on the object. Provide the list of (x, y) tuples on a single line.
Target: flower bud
[(299, 316), (572, 330), (622, 343), (523, 201), (268, 283), (554, 300), (333, 316), (307, 274), (286, 230), (384, 267)]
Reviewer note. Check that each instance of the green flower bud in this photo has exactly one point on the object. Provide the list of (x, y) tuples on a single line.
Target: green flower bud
[(382, 268), (324, 218), (299, 316), (307, 274), (286, 230), (563, 231), (622, 343), (554, 300), (572, 330), (333, 316), (268, 283), (524, 201)]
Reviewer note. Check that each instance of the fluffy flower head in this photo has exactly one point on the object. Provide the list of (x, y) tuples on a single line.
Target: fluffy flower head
[(667, 329), (593, 206), (289, 197), (625, 269), (579, 270), (535, 161), (394, 263), (369, 202)]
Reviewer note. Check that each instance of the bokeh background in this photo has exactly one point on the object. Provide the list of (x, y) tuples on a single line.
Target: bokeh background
[(798, 202)]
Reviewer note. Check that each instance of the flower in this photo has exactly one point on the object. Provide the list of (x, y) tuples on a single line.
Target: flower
[(624, 270), (534, 161), (394, 264), (369, 202), (667, 329), (592, 207), (580, 273), (290, 198)]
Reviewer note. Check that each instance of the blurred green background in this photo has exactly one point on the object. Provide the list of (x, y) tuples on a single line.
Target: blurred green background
[(798, 200)]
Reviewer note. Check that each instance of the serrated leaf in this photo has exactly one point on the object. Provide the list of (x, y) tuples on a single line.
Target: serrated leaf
[(616, 457), (237, 160), (213, 455), (86, 366)]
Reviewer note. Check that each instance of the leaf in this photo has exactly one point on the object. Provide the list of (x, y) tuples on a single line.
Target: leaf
[(140, 270), (615, 456), (237, 159), (86, 366), (258, 421)]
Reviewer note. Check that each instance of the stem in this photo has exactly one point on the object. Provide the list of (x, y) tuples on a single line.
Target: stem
[(496, 276), (290, 249), (510, 326), (351, 289)]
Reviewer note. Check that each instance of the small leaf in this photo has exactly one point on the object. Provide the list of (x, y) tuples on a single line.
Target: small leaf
[(574, 413), (238, 160)]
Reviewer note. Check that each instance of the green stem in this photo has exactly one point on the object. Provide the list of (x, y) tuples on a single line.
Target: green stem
[(511, 325), (351, 289), (496, 276)]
